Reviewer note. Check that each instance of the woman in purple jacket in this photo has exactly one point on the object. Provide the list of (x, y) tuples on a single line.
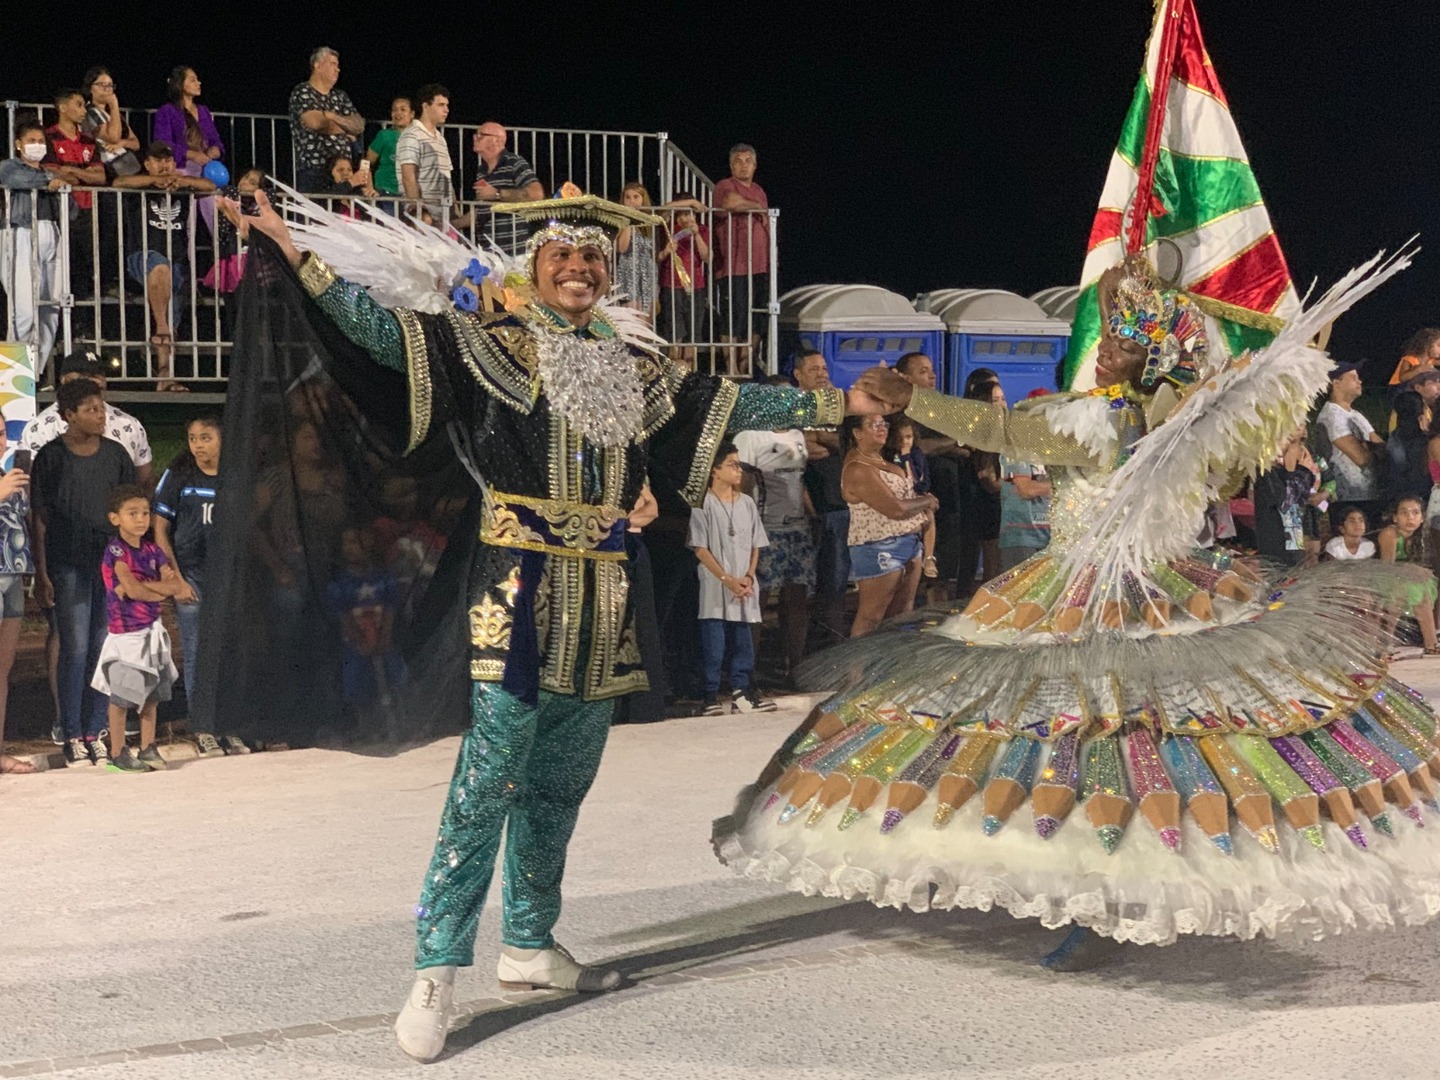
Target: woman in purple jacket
[(189, 130)]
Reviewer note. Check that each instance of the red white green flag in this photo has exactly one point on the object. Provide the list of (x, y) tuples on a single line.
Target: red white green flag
[(1180, 173)]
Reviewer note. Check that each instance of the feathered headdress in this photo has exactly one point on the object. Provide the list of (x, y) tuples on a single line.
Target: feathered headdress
[(1164, 322)]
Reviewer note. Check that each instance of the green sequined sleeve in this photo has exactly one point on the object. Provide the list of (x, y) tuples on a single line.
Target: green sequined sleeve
[(354, 313), (775, 408), (1018, 435)]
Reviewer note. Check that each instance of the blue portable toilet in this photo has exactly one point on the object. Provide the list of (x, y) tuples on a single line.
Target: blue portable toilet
[(857, 327), (1003, 331)]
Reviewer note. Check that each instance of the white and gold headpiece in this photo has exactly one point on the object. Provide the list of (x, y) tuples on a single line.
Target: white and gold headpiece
[(583, 220)]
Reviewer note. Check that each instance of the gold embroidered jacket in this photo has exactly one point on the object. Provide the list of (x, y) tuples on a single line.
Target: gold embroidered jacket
[(547, 488)]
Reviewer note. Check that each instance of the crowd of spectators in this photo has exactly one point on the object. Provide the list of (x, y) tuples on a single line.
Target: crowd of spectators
[(832, 532), (695, 287), (1363, 480)]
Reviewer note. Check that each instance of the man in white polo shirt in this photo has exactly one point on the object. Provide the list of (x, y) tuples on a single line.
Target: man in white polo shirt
[(423, 159)]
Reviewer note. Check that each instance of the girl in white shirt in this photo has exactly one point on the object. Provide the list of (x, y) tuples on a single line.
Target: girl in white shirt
[(1351, 543)]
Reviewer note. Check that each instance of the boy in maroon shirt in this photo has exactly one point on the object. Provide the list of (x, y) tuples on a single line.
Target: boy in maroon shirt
[(75, 158)]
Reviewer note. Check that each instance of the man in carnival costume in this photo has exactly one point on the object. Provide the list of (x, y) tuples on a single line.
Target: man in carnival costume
[(1072, 746), (556, 417)]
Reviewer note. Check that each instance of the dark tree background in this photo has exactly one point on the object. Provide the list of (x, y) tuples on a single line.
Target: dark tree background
[(912, 146)]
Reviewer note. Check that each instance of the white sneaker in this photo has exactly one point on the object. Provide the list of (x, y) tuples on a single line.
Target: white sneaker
[(552, 969), (424, 1022)]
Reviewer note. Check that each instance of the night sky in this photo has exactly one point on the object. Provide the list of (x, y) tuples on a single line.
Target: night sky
[(914, 147)]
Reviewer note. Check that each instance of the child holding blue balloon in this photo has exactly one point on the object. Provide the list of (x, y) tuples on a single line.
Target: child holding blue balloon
[(229, 266)]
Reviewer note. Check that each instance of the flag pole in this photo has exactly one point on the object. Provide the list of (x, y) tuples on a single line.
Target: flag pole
[(1169, 28)]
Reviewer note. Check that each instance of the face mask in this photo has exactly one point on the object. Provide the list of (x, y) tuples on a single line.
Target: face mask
[(34, 152)]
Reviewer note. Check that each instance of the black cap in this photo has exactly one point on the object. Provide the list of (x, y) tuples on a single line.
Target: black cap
[(1340, 370), (84, 362)]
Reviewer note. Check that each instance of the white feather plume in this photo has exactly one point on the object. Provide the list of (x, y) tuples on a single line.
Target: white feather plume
[(632, 325), (401, 263), (1152, 507), (1087, 420)]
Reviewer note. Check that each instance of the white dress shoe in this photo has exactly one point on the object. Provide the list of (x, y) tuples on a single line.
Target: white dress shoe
[(552, 969), (424, 1022)]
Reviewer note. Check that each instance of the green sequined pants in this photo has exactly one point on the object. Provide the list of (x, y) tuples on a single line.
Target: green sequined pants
[(524, 770)]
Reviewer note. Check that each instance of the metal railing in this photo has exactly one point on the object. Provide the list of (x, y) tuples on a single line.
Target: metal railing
[(601, 162), (681, 178), (34, 271), (105, 302), (102, 302)]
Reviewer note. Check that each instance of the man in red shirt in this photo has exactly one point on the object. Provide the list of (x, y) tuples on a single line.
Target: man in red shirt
[(75, 158), (742, 233)]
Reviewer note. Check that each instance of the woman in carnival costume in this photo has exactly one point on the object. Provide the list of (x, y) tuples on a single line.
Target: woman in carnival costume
[(1124, 733)]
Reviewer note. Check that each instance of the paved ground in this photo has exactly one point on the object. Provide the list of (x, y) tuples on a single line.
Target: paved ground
[(250, 917)]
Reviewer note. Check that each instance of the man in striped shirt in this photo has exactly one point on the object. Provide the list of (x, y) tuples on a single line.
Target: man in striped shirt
[(423, 160), (502, 176)]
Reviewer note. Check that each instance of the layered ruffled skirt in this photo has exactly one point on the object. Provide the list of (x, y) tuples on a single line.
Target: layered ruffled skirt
[(1250, 772)]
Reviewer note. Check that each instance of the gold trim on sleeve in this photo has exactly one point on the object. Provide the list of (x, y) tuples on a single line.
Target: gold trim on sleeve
[(717, 422), (829, 407), (417, 375), (315, 274)]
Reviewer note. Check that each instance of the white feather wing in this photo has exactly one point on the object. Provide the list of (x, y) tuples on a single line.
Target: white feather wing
[(400, 263)]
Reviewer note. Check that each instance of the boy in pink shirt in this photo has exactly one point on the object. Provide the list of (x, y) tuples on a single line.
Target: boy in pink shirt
[(135, 667)]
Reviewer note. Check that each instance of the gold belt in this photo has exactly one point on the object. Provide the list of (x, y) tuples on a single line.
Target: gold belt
[(557, 527)]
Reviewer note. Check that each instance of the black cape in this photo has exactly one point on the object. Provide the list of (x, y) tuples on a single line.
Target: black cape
[(335, 608)]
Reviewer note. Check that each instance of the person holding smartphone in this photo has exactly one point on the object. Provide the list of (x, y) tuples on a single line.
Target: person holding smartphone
[(16, 565)]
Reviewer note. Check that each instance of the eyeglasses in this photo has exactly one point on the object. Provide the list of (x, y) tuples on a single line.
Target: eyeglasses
[(104, 85)]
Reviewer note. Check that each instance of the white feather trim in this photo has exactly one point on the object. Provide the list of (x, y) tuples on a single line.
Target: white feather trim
[(1086, 419), (1143, 893), (631, 325)]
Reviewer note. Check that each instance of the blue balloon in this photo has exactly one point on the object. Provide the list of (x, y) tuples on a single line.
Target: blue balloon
[(216, 173)]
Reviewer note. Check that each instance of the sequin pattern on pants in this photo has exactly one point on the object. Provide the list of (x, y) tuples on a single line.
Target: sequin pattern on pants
[(524, 770)]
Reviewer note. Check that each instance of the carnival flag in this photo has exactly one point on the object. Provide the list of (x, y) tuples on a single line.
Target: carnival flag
[(1180, 174)]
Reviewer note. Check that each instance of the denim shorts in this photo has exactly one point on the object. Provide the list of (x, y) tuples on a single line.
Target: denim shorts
[(12, 596), (881, 557), (140, 263)]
